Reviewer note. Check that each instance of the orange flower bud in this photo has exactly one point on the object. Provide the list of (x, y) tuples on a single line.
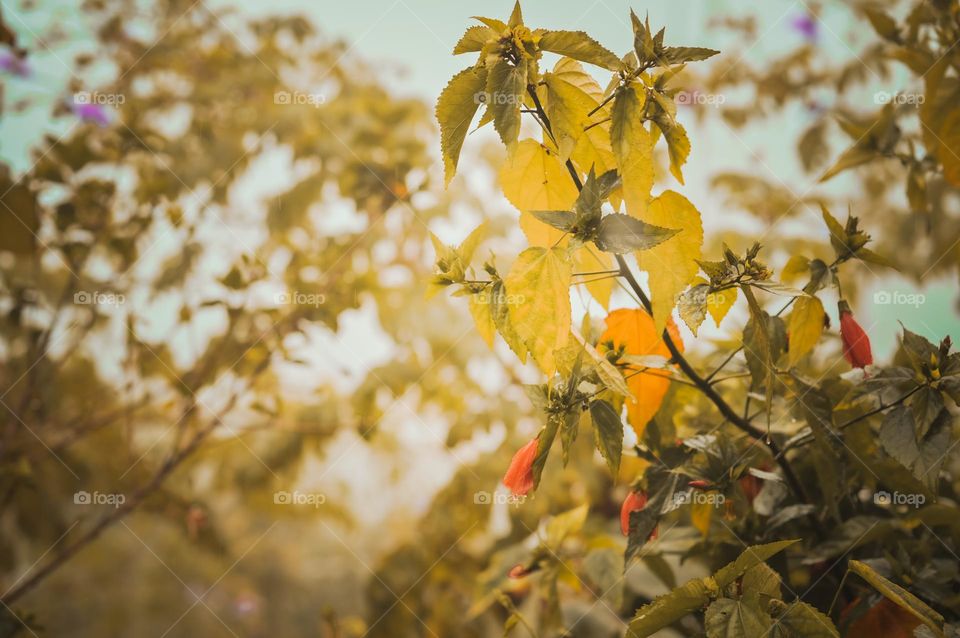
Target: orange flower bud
[(856, 343), (519, 476), (634, 502)]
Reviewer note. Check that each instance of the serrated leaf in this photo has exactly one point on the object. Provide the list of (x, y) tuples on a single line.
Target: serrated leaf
[(669, 608), (678, 55), (560, 219), (567, 107), (804, 326), (457, 105), (801, 619), (538, 294), (533, 178), (673, 264), (742, 618), (505, 89), (678, 147), (850, 158), (749, 558), (500, 312), (609, 434), (719, 303), (762, 580), (474, 39), (621, 234), (579, 46), (632, 147)]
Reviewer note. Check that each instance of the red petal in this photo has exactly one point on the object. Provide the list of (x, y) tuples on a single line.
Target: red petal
[(519, 476)]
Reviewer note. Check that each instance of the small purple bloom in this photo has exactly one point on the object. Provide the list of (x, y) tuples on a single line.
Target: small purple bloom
[(14, 65), (92, 113), (806, 25)]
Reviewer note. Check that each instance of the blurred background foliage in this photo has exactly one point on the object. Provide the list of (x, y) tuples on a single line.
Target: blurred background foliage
[(209, 295)]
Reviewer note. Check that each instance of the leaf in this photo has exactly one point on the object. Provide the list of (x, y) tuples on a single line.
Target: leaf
[(743, 618), (609, 433), (719, 303), (900, 596), (762, 580), (673, 264), (567, 107), (669, 608), (579, 46), (748, 559), (633, 149), (499, 311), (678, 147), (563, 525), (533, 178), (692, 306), (560, 219), (621, 234), (538, 293), (457, 105), (804, 327), (589, 259), (801, 619), (480, 309), (505, 88), (853, 156), (678, 55), (603, 567), (474, 39), (634, 329)]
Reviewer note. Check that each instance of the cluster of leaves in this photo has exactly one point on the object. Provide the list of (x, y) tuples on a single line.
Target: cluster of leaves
[(830, 442)]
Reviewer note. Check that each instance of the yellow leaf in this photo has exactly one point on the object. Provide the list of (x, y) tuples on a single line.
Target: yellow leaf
[(804, 327), (700, 515), (632, 146), (720, 302), (456, 107), (795, 268), (672, 264), (538, 297), (588, 259), (533, 178), (567, 108), (482, 316), (634, 329), (538, 233)]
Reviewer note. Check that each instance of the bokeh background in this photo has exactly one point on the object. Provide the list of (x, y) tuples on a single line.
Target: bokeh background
[(228, 408)]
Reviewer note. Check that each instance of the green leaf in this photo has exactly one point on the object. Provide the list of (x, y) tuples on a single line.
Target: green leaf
[(671, 607), (559, 219), (544, 442), (799, 619), (678, 55), (538, 294), (748, 559), (743, 618), (474, 39), (457, 105), (926, 404), (621, 234), (609, 433), (580, 46), (505, 87), (804, 327), (899, 596)]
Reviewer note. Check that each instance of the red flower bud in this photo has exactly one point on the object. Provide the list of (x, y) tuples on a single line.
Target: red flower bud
[(519, 476), (634, 502), (856, 343), (518, 571), (701, 485)]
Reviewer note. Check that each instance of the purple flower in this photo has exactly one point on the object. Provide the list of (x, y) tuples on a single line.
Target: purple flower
[(806, 25), (14, 65), (92, 113)]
